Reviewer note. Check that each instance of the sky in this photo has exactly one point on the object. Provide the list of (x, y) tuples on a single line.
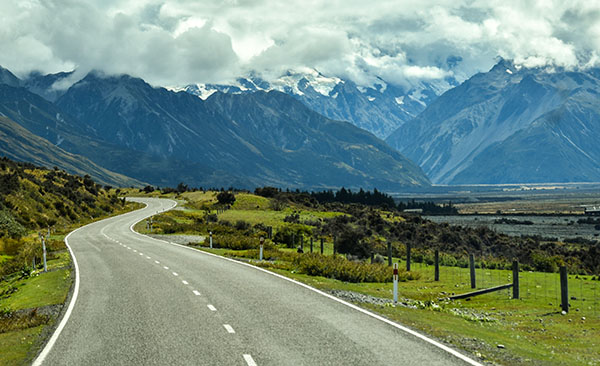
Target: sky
[(203, 41)]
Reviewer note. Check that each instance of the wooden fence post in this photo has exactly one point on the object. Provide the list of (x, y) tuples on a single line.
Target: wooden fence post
[(389, 253), (515, 269), (436, 259), (564, 289), (472, 268), (311, 244), (321, 245)]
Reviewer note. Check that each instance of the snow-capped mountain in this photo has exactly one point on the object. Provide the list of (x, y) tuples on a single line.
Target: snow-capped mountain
[(509, 125), (379, 109)]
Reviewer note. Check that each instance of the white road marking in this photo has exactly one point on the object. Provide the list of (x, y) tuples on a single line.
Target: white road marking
[(157, 262), (196, 292), (249, 360), (148, 257), (212, 308), (135, 251), (165, 267), (229, 328), (129, 248), (185, 282), (175, 274), (141, 253)]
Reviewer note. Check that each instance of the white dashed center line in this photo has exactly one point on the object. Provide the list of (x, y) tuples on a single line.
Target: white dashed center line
[(229, 328), (212, 308), (157, 262), (249, 360), (135, 251), (175, 274), (148, 257), (141, 253), (165, 267), (197, 293), (185, 282)]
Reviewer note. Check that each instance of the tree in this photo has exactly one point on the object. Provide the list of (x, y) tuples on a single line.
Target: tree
[(226, 198)]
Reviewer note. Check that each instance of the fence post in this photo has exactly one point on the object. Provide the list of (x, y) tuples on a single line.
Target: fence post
[(210, 239), (515, 269), (260, 254), (436, 259), (293, 240), (311, 244), (564, 289), (321, 245), (302, 242), (472, 267), (407, 257), (44, 252), (372, 257), (395, 283), (389, 253)]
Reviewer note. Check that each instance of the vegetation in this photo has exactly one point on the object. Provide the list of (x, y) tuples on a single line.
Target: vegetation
[(37, 201), (530, 329)]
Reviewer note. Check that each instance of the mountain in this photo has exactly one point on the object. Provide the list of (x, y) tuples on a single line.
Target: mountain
[(19, 144), (509, 125), (379, 109), (8, 78), (263, 138), (46, 120)]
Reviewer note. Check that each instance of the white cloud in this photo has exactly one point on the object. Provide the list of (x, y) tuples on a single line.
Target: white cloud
[(175, 42)]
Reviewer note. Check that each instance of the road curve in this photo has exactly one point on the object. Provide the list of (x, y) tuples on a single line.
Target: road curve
[(141, 301)]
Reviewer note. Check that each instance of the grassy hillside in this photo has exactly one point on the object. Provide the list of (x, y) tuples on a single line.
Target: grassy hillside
[(19, 144)]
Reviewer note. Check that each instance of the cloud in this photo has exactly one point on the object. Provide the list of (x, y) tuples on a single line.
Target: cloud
[(176, 42)]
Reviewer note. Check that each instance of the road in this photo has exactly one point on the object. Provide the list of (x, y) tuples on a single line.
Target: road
[(141, 301)]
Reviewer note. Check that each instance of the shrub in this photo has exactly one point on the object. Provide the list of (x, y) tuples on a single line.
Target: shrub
[(226, 198), (339, 268), (289, 234)]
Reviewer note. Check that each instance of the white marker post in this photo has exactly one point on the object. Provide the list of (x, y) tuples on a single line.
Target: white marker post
[(210, 239), (260, 255), (395, 283), (44, 252)]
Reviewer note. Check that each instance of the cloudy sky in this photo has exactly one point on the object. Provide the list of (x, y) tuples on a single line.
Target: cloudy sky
[(187, 41)]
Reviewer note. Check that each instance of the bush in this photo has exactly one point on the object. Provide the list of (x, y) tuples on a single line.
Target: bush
[(9, 226), (339, 268), (289, 234), (226, 198)]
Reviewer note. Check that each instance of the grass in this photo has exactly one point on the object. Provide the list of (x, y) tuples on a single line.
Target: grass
[(48, 288), (14, 346)]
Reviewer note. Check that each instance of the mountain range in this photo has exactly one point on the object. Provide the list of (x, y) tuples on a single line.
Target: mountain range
[(509, 125), (379, 109), (164, 137)]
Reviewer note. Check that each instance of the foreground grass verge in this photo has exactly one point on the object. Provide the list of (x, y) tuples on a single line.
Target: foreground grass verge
[(31, 304)]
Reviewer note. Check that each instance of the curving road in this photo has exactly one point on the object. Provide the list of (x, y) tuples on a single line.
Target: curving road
[(140, 301)]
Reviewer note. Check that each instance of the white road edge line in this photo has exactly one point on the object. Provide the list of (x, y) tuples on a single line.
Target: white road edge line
[(249, 360), (416, 334), (212, 308), (42, 356), (229, 328)]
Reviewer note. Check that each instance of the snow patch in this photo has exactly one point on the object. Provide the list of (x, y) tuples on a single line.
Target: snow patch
[(508, 71), (371, 99), (399, 100), (335, 95)]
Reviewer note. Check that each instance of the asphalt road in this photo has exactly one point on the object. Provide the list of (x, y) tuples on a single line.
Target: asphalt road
[(146, 302)]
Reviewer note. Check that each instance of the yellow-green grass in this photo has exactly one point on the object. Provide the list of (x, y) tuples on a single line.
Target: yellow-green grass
[(44, 289), (4, 258), (14, 346)]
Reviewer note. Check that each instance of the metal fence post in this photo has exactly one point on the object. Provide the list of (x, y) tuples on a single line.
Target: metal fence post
[(436, 259), (472, 268), (564, 289), (516, 290)]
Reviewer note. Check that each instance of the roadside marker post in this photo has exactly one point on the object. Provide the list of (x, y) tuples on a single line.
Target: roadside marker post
[(395, 283), (44, 253), (260, 255), (210, 239)]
